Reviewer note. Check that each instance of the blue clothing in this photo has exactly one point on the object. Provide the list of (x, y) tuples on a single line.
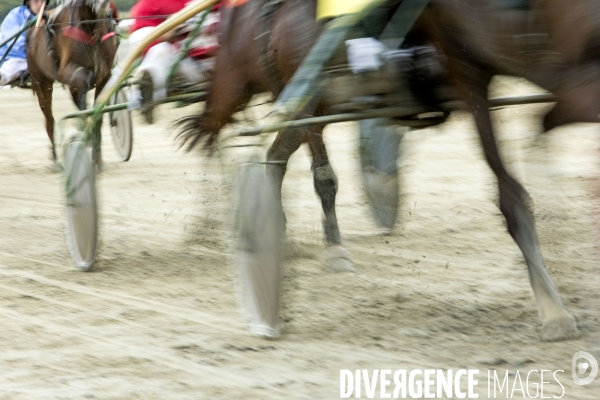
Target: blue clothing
[(14, 21)]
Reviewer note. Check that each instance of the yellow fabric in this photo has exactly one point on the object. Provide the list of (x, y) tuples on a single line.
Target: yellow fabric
[(334, 8)]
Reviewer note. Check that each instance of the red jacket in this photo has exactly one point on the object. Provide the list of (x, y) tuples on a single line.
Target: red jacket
[(162, 9)]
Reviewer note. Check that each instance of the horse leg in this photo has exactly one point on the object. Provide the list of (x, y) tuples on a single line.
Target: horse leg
[(558, 324), (326, 185), (79, 80), (97, 134), (278, 155), (42, 88)]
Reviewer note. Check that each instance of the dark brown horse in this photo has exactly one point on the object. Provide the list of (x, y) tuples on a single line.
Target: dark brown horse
[(239, 74), (542, 41), (553, 43), (73, 48)]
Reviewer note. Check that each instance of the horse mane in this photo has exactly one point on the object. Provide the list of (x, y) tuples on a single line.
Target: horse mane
[(66, 3), (63, 5)]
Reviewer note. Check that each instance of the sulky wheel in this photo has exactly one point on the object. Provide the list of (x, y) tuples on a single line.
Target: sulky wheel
[(379, 142), (259, 224), (82, 217), (121, 128)]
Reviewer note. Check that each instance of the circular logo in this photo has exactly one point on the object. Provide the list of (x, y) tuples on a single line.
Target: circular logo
[(579, 366)]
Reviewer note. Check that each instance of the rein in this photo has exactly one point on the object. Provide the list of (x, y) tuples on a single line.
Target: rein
[(75, 33), (91, 21), (73, 30)]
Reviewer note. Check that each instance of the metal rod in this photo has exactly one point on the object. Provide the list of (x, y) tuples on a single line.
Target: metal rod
[(181, 97), (328, 119), (124, 106), (195, 88), (522, 100), (85, 113), (389, 112)]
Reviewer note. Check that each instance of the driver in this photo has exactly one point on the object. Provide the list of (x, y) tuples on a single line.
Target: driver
[(15, 62)]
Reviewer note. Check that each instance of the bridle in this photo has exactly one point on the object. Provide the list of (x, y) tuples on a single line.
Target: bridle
[(73, 29), (75, 32)]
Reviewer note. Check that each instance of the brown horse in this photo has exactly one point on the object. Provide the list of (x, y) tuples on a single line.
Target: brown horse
[(75, 47), (480, 39), (553, 43), (241, 71)]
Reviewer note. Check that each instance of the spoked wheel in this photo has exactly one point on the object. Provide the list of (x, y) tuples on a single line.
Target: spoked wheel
[(121, 128), (379, 154), (82, 214), (258, 263)]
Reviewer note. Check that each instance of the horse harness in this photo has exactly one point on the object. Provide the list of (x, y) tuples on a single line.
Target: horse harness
[(73, 31), (77, 34)]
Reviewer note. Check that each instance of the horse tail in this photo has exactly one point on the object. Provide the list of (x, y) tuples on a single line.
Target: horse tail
[(190, 132), (229, 89)]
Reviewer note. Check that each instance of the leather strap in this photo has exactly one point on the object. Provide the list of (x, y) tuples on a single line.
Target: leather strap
[(77, 34)]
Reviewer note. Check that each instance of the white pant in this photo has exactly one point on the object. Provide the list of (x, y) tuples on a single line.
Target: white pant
[(11, 69), (158, 62)]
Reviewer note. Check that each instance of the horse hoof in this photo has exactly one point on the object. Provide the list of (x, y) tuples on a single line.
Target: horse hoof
[(561, 328), (338, 259)]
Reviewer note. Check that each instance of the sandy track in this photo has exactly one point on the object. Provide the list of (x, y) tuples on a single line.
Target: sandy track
[(157, 317)]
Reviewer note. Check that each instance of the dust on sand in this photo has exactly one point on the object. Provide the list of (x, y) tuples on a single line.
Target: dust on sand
[(157, 317)]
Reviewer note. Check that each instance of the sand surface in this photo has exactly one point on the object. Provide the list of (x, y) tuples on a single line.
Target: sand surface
[(158, 318)]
